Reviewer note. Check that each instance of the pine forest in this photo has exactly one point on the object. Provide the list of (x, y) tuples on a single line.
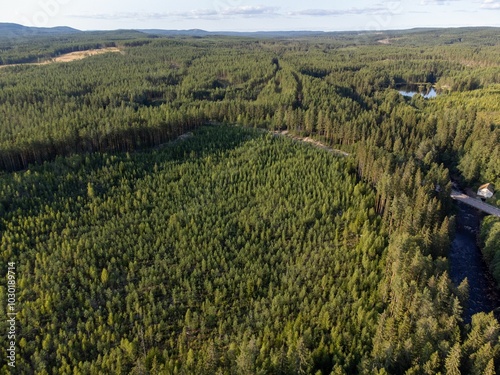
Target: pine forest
[(247, 205)]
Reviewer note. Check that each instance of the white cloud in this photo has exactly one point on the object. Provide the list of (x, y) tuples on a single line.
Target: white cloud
[(490, 4), (250, 11), (208, 14), (437, 2), (338, 12)]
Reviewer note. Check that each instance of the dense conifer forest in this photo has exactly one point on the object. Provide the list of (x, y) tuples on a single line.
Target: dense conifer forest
[(490, 243), (162, 224)]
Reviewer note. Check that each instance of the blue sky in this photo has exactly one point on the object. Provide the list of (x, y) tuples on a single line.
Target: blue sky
[(252, 15)]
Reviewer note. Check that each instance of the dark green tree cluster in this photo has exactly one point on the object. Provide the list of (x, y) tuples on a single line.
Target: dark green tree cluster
[(468, 135), (230, 251), (490, 244)]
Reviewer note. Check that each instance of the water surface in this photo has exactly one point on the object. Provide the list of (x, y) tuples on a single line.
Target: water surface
[(426, 94), (466, 261)]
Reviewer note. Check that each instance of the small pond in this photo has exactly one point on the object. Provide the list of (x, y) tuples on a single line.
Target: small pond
[(407, 91)]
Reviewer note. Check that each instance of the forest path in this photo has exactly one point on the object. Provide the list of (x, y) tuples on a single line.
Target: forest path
[(311, 141), (71, 56), (485, 207), (299, 91)]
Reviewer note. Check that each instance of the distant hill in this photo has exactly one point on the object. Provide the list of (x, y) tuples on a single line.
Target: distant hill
[(470, 35), (191, 32), (16, 30)]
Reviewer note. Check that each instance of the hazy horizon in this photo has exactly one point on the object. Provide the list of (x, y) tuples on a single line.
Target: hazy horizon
[(236, 15)]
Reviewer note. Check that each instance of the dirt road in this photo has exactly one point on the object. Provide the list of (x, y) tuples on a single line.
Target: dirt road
[(72, 56), (476, 203)]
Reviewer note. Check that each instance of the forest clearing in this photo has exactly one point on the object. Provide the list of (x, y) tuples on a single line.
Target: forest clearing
[(70, 56)]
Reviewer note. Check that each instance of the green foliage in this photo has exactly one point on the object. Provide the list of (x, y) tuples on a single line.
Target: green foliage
[(159, 88), (235, 251), (490, 244), (231, 249)]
